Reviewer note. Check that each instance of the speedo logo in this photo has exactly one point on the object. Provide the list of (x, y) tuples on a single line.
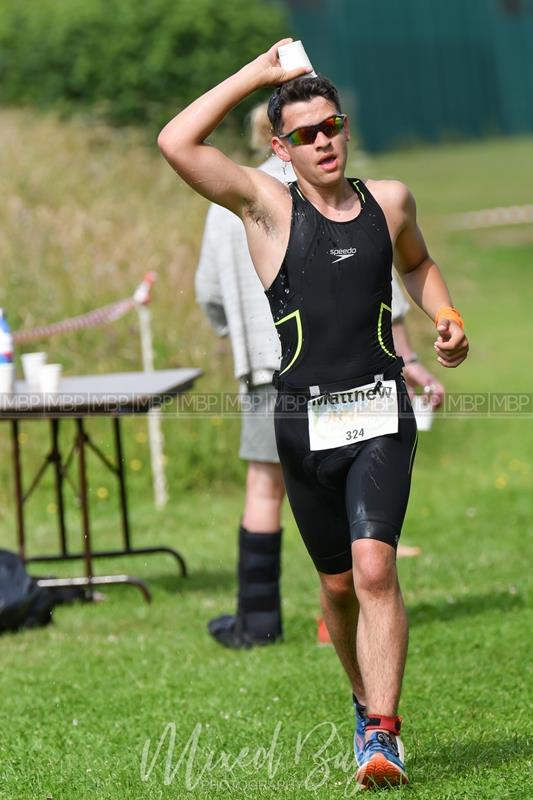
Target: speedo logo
[(342, 254)]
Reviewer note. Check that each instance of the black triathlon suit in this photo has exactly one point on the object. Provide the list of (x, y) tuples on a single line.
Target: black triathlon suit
[(331, 303)]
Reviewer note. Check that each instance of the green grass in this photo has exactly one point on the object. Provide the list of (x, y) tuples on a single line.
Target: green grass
[(81, 698)]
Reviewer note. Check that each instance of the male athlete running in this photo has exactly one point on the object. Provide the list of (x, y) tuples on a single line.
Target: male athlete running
[(323, 250)]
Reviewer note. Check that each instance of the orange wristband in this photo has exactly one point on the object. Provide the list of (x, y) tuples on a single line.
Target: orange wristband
[(448, 312)]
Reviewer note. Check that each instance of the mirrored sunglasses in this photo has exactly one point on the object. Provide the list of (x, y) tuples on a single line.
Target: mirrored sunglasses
[(330, 127)]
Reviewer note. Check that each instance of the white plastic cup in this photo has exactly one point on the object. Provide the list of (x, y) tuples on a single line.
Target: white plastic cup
[(423, 412), (31, 366), (7, 379), (49, 378), (293, 55)]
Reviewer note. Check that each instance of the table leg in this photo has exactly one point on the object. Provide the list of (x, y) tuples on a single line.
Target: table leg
[(19, 499), (84, 501), (55, 458), (121, 475)]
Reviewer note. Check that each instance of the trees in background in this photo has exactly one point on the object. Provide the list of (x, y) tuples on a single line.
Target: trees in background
[(132, 61)]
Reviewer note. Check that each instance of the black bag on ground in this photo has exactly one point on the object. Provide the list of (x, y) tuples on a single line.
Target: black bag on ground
[(24, 604)]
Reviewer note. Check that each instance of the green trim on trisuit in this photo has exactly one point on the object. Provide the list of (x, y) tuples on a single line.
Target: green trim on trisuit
[(380, 337), (297, 317)]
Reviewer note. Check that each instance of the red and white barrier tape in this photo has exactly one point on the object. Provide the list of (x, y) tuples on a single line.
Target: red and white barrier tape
[(100, 316)]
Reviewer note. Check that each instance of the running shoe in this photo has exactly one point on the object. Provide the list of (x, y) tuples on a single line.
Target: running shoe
[(359, 734), (381, 764)]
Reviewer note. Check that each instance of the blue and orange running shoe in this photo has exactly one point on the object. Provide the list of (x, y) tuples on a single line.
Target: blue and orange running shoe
[(360, 726), (381, 763)]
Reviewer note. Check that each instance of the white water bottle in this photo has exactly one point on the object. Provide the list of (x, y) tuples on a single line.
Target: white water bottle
[(6, 340), (293, 55)]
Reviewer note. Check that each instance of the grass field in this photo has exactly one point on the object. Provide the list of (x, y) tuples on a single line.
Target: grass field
[(89, 210)]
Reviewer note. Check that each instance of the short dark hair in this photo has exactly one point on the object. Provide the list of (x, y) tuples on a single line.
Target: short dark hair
[(296, 91)]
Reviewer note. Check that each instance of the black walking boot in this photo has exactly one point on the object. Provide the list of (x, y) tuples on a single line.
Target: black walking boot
[(258, 617)]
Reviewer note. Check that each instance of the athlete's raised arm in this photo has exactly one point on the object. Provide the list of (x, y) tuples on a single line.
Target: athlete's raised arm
[(423, 278), (205, 168)]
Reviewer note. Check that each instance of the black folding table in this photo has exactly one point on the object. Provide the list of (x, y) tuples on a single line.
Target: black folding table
[(111, 395)]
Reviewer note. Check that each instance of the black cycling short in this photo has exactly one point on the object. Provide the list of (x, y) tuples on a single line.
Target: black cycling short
[(352, 492)]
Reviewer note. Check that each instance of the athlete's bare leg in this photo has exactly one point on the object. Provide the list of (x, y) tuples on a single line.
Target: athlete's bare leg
[(341, 610), (323, 635), (382, 631)]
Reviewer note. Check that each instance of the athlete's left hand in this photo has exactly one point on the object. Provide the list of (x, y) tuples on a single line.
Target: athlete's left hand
[(451, 345)]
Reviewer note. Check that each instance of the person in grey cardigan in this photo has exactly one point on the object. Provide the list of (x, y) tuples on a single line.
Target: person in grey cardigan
[(229, 291)]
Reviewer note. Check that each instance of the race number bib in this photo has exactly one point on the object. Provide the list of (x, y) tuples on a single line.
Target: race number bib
[(352, 416)]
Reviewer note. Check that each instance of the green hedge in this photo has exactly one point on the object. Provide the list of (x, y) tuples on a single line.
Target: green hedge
[(133, 61)]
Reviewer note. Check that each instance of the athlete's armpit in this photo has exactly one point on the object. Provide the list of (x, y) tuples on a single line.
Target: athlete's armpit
[(257, 214), (269, 206)]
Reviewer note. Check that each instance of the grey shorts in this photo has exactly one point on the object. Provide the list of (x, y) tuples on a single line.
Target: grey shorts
[(258, 442)]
